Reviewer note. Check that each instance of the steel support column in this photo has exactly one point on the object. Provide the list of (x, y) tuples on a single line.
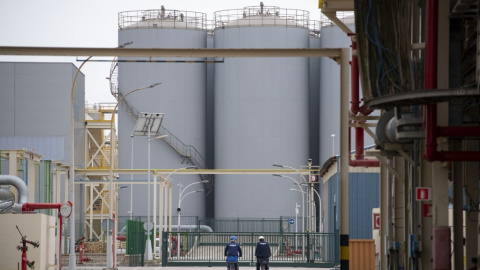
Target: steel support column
[(344, 158)]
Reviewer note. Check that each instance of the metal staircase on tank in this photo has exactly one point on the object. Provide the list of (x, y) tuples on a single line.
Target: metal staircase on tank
[(189, 153)]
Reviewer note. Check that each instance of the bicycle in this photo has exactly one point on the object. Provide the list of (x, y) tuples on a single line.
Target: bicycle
[(263, 264), (232, 260)]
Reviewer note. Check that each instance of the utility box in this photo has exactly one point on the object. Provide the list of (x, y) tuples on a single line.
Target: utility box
[(441, 248), (362, 254), (36, 227)]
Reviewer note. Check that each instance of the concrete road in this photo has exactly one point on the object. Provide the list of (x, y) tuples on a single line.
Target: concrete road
[(181, 268)]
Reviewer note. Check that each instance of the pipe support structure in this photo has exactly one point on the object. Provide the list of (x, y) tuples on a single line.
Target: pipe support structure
[(355, 108), (432, 130)]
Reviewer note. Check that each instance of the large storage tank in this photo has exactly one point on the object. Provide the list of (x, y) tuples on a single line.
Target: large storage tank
[(261, 111), (181, 97)]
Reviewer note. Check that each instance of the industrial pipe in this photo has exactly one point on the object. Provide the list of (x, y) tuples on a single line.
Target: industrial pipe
[(21, 187), (355, 93), (430, 116), (19, 184), (355, 108), (431, 39), (202, 228), (28, 207), (458, 131), (360, 162)]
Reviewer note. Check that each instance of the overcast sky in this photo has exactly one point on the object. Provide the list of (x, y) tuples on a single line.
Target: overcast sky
[(94, 23)]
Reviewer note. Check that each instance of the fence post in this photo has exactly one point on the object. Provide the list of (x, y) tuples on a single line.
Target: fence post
[(308, 248), (164, 248), (252, 239)]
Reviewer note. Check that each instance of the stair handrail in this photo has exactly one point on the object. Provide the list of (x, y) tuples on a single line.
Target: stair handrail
[(182, 149)]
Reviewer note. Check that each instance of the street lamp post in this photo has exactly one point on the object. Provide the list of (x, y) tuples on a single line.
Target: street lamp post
[(110, 263), (72, 258), (146, 123), (179, 209), (321, 203), (131, 177), (296, 223), (320, 213), (303, 198), (167, 178), (305, 181)]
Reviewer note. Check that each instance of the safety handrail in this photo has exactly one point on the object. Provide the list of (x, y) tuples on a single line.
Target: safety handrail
[(186, 151)]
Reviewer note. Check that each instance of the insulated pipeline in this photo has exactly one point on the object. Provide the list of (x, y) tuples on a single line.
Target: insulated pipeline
[(21, 187)]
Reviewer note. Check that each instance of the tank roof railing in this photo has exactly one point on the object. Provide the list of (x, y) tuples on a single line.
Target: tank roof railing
[(347, 17), (162, 18), (261, 16), (314, 27)]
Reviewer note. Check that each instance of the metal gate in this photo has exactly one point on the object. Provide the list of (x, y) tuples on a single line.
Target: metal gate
[(288, 249), (136, 239)]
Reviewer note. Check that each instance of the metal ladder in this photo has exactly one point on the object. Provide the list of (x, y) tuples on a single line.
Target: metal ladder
[(189, 153)]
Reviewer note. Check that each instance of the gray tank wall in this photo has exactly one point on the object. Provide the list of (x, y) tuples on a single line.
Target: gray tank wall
[(331, 37), (181, 97), (261, 118)]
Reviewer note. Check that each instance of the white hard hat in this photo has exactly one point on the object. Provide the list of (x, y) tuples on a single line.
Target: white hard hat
[(261, 238)]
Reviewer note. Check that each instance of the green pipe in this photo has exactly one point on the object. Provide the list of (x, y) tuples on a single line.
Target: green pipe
[(45, 182), (38, 180), (20, 163), (47, 186), (50, 176)]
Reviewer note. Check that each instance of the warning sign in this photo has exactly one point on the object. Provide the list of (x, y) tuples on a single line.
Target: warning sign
[(376, 221), (424, 194)]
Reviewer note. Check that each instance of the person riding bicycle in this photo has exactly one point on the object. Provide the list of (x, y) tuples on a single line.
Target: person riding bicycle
[(262, 252), (232, 252)]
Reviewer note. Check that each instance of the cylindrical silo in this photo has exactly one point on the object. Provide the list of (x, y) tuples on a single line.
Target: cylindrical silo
[(261, 111), (181, 96)]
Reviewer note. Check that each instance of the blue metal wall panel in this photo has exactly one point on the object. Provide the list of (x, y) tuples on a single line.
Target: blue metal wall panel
[(364, 194), (364, 189), (332, 205)]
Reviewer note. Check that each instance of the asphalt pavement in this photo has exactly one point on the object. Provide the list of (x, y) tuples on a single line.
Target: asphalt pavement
[(181, 268)]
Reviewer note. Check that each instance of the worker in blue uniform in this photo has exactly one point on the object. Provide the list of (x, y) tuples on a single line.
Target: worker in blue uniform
[(233, 251)]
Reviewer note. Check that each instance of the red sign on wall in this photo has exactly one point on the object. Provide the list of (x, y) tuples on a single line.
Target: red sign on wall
[(424, 194), (376, 221), (427, 210)]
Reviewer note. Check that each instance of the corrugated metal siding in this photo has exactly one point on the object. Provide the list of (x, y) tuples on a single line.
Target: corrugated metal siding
[(7, 96), (331, 37), (79, 118), (261, 118), (332, 206), (314, 100), (364, 189), (181, 97), (51, 147), (35, 109)]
